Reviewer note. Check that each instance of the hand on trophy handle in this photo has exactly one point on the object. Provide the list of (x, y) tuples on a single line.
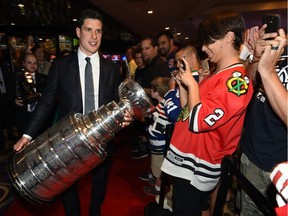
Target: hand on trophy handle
[(128, 117), (21, 143)]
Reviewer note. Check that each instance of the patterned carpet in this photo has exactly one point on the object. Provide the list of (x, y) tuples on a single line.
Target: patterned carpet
[(6, 189)]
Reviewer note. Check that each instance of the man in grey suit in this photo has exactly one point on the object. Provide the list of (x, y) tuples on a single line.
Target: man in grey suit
[(66, 81)]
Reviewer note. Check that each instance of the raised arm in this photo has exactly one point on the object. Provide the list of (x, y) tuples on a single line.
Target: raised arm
[(277, 94)]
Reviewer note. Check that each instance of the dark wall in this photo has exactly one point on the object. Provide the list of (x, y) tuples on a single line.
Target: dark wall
[(55, 17)]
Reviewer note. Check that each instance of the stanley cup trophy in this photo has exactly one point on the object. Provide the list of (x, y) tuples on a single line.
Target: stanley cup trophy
[(57, 158)]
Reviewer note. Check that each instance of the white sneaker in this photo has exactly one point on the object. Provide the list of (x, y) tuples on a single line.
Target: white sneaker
[(167, 203)]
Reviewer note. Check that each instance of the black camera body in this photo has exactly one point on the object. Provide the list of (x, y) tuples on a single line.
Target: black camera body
[(25, 88)]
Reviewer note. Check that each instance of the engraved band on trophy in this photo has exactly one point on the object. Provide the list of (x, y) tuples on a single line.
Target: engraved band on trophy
[(57, 158)]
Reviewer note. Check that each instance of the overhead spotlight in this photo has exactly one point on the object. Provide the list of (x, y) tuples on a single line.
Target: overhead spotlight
[(74, 20), (12, 23), (178, 33), (167, 28), (150, 11), (186, 38)]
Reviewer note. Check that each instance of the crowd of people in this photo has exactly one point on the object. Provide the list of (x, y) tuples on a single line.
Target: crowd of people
[(236, 104)]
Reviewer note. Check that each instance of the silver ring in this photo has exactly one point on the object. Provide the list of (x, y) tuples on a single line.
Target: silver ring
[(274, 48)]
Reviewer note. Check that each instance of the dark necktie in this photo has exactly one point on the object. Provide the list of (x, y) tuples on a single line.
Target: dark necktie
[(89, 88)]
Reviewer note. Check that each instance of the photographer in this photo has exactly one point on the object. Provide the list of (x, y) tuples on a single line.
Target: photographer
[(264, 141), (29, 86)]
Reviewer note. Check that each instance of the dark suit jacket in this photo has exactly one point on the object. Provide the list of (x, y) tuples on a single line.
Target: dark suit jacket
[(23, 93), (29, 97), (64, 84), (9, 80), (156, 68)]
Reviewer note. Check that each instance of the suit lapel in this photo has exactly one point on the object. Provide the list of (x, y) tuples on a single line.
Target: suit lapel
[(74, 75)]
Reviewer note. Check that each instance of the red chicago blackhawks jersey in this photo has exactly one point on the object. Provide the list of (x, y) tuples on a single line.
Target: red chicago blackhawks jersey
[(202, 137)]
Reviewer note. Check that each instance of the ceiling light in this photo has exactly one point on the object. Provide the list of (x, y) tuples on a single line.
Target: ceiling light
[(178, 33), (186, 38), (74, 20), (167, 28), (150, 11)]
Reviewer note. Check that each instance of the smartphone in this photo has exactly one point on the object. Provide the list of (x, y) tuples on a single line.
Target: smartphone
[(272, 21), (182, 65)]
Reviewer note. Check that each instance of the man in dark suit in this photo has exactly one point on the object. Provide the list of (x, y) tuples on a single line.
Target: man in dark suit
[(29, 87), (66, 81)]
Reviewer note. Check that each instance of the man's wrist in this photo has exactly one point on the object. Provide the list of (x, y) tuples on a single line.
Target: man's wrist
[(27, 136)]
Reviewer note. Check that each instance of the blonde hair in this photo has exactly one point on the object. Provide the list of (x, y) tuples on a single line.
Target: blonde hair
[(161, 85)]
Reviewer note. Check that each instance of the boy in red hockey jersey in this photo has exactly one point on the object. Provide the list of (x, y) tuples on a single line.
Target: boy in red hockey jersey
[(210, 124)]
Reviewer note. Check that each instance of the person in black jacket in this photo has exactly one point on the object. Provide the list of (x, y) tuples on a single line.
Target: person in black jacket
[(155, 67), (29, 87), (66, 83)]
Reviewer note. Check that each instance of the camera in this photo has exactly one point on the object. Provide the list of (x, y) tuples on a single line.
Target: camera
[(25, 88)]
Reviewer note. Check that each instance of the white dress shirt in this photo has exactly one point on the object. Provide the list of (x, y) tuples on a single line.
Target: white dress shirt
[(95, 62)]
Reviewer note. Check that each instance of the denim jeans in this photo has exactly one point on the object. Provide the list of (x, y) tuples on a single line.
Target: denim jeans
[(260, 179)]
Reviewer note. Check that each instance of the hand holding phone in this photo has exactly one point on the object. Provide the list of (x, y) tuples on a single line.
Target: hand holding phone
[(182, 65)]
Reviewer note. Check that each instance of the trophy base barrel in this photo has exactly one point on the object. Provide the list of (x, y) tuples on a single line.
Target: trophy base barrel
[(22, 191)]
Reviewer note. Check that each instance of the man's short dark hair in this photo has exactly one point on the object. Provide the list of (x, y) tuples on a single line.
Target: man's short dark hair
[(154, 43), (167, 33), (89, 14)]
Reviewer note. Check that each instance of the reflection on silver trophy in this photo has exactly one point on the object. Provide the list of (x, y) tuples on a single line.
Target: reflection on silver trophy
[(73, 146)]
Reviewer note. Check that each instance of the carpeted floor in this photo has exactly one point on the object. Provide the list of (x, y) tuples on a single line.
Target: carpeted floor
[(125, 196), (6, 190)]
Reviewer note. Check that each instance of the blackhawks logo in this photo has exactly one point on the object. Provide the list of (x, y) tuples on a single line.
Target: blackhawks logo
[(238, 84), (184, 114)]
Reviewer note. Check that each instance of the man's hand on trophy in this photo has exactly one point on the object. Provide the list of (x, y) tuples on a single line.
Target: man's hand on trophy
[(128, 117), (21, 143)]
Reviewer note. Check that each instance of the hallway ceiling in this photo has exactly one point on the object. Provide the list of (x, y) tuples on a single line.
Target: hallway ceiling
[(184, 16)]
